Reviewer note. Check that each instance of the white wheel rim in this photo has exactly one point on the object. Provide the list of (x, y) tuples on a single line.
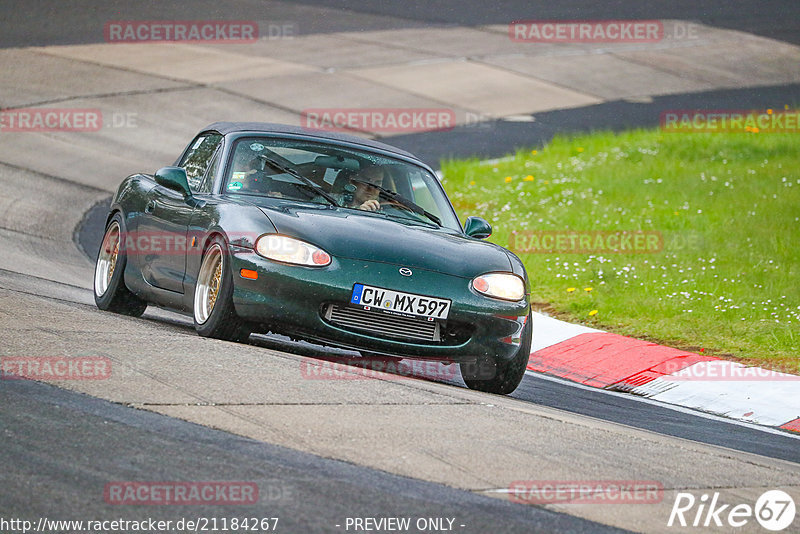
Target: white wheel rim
[(107, 259), (209, 283)]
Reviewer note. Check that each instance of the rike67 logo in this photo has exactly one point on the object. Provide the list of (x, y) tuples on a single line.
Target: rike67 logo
[(774, 510)]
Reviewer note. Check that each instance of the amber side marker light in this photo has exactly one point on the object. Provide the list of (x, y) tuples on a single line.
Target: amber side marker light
[(247, 273)]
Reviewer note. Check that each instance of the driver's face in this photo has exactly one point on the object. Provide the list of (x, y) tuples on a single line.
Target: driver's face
[(365, 191)]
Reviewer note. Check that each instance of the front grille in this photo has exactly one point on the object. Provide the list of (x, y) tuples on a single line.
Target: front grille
[(383, 324)]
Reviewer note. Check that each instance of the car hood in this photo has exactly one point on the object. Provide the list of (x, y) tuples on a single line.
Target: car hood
[(347, 233)]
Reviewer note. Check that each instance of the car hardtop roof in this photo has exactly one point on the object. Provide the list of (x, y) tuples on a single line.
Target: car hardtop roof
[(268, 127)]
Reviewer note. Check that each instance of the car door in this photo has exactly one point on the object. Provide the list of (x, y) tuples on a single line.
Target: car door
[(163, 229)]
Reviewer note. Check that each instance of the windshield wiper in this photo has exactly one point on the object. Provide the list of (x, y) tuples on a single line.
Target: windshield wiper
[(400, 199), (304, 182)]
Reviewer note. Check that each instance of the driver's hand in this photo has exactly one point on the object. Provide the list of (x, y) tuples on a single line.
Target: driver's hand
[(370, 205)]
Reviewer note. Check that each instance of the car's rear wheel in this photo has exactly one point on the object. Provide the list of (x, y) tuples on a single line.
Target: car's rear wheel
[(493, 375), (214, 314), (110, 292)]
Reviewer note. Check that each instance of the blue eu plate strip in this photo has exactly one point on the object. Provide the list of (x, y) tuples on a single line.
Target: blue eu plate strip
[(357, 289)]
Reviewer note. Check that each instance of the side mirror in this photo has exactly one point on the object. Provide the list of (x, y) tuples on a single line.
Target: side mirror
[(174, 178), (477, 227)]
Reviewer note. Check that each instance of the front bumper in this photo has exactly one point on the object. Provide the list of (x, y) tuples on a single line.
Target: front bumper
[(295, 300)]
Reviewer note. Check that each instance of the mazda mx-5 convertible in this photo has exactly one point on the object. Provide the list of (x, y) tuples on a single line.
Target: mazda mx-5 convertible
[(319, 236)]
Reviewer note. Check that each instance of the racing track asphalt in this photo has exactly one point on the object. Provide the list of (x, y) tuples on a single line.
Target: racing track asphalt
[(76, 442), (611, 406), (64, 438), (776, 19), (75, 23)]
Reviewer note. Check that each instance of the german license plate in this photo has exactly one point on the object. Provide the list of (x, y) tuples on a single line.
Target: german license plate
[(400, 302)]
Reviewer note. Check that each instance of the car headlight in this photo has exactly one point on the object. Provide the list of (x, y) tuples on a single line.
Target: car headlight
[(504, 286), (291, 250)]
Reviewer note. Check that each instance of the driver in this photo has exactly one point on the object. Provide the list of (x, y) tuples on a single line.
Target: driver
[(257, 181), (253, 177), (365, 196)]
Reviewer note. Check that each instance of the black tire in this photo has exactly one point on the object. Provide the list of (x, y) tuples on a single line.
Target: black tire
[(500, 376), (110, 292), (219, 320)]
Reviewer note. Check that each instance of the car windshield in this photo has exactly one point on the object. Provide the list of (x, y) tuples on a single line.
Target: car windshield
[(315, 172)]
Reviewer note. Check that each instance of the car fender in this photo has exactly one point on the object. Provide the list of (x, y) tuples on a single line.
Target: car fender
[(129, 201), (238, 222)]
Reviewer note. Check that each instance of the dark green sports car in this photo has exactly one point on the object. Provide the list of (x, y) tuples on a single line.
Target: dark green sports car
[(325, 237)]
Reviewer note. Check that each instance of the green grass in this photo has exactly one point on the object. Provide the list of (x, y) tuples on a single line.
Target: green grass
[(727, 206)]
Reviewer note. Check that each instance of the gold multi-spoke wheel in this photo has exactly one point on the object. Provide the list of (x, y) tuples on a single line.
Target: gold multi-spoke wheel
[(110, 292), (209, 283), (107, 259), (214, 313)]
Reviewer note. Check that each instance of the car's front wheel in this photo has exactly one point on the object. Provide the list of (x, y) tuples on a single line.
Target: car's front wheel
[(493, 375), (110, 292), (214, 314)]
